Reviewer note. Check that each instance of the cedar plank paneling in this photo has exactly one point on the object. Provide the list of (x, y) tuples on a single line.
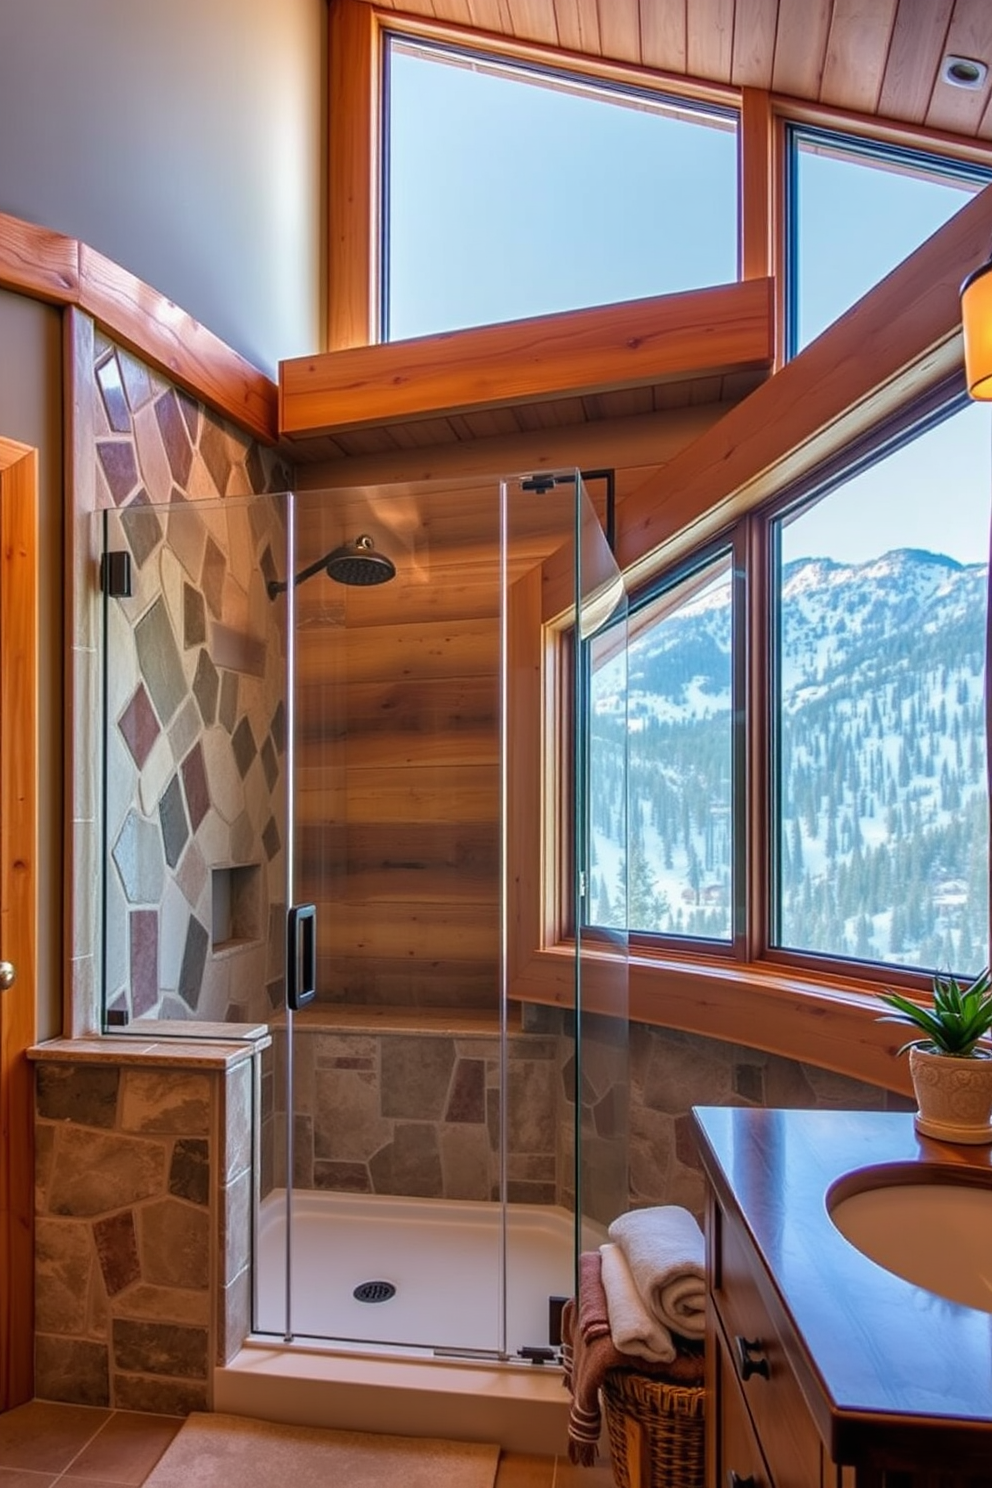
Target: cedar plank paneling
[(857, 49), (800, 48), (663, 38), (619, 29), (709, 38), (578, 26), (914, 58), (534, 20), (754, 43)]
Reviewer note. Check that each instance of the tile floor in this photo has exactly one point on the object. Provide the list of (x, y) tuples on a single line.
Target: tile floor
[(77, 1446)]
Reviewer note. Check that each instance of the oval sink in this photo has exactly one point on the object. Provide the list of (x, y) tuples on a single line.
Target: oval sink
[(929, 1224)]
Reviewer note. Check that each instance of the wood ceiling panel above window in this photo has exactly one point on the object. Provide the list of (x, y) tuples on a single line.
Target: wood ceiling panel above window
[(880, 58)]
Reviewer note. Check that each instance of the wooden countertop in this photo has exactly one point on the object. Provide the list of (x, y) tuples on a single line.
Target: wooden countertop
[(875, 1356)]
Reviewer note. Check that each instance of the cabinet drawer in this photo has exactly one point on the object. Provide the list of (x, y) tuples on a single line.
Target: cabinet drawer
[(740, 1463), (789, 1439)]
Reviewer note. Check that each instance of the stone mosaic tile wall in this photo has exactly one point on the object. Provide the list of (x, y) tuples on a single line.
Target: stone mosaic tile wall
[(672, 1072), (195, 662), (418, 1114), (142, 1251), (413, 1114)]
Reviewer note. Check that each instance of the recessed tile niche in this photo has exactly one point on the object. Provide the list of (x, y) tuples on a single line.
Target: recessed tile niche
[(235, 897)]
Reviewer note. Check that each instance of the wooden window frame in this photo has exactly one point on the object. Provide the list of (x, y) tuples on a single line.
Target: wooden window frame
[(898, 345)]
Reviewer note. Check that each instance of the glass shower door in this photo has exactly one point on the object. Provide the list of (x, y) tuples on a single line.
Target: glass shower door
[(397, 1063)]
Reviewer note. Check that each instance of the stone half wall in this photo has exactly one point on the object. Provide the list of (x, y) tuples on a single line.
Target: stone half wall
[(196, 717), (143, 1227)]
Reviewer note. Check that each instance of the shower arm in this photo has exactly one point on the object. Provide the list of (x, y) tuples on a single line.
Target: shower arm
[(279, 586)]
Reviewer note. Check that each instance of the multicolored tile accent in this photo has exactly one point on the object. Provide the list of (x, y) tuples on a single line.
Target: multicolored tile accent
[(196, 677)]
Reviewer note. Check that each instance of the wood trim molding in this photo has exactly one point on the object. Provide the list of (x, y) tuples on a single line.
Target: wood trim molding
[(899, 341), (49, 266), (709, 331), (18, 910), (353, 175), (757, 193)]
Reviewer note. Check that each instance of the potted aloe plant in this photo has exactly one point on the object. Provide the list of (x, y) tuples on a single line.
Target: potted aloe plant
[(950, 1068)]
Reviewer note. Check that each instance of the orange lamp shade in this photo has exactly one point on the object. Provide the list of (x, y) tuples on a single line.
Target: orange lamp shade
[(976, 320)]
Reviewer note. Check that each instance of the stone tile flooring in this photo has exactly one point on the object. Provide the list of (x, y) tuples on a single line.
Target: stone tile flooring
[(78, 1446)]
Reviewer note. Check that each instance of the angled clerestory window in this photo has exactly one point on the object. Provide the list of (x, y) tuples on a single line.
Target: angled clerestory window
[(855, 209)]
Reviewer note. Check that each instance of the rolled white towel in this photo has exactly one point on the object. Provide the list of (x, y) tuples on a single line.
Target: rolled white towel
[(633, 1328), (666, 1253)]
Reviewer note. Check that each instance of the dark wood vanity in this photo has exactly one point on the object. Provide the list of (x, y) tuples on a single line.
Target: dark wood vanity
[(823, 1369)]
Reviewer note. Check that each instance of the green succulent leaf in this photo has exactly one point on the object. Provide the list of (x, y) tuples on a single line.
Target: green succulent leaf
[(958, 1018)]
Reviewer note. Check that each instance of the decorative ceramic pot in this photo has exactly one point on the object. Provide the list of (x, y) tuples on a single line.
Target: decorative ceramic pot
[(954, 1095)]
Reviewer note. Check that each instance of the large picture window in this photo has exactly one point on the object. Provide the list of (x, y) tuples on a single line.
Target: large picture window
[(865, 823), (512, 192), (880, 597)]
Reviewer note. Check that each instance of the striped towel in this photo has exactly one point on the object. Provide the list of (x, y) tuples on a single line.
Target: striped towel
[(588, 1352)]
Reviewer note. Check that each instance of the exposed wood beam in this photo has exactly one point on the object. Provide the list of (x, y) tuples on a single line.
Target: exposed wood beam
[(146, 322), (709, 331), (49, 266)]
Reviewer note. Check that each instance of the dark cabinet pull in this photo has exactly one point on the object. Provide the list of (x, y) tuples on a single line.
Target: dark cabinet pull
[(750, 1359), (734, 1480)]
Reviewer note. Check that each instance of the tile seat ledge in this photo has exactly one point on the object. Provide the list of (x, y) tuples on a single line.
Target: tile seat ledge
[(219, 1053)]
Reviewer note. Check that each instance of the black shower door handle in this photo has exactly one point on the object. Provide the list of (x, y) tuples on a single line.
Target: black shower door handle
[(301, 956)]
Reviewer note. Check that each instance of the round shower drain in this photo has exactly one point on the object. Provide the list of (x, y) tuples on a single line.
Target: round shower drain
[(374, 1291)]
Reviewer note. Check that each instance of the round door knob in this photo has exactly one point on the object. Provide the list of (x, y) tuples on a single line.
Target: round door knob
[(8, 975)]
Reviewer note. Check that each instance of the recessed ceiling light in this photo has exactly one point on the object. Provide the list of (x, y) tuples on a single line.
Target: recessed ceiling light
[(963, 72)]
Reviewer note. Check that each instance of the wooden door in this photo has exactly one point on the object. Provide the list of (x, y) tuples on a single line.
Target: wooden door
[(18, 911)]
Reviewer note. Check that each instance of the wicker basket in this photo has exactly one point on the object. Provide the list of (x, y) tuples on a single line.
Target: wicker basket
[(655, 1431)]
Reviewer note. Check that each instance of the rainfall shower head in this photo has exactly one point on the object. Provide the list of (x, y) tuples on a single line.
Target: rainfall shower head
[(352, 563), (358, 563)]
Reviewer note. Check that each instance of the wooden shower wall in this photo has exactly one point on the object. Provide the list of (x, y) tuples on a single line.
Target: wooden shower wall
[(398, 739), (398, 750)]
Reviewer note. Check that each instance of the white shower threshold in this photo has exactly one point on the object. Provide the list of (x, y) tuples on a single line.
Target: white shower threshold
[(389, 1366)]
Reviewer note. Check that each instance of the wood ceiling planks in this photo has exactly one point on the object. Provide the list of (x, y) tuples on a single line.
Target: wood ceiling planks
[(869, 56)]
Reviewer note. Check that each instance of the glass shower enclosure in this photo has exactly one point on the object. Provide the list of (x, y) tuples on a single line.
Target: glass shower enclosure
[(363, 705)]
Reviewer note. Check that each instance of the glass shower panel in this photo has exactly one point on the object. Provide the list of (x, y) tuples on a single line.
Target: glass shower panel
[(602, 1017), (196, 801), (395, 1098), (540, 561)]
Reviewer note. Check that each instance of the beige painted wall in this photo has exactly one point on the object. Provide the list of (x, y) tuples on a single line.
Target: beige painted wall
[(31, 412), (185, 141)]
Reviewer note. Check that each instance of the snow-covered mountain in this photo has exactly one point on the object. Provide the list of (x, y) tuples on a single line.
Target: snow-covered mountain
[(882, 847)]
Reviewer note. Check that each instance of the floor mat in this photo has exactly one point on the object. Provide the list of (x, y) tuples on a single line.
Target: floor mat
[(218, 1451)]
